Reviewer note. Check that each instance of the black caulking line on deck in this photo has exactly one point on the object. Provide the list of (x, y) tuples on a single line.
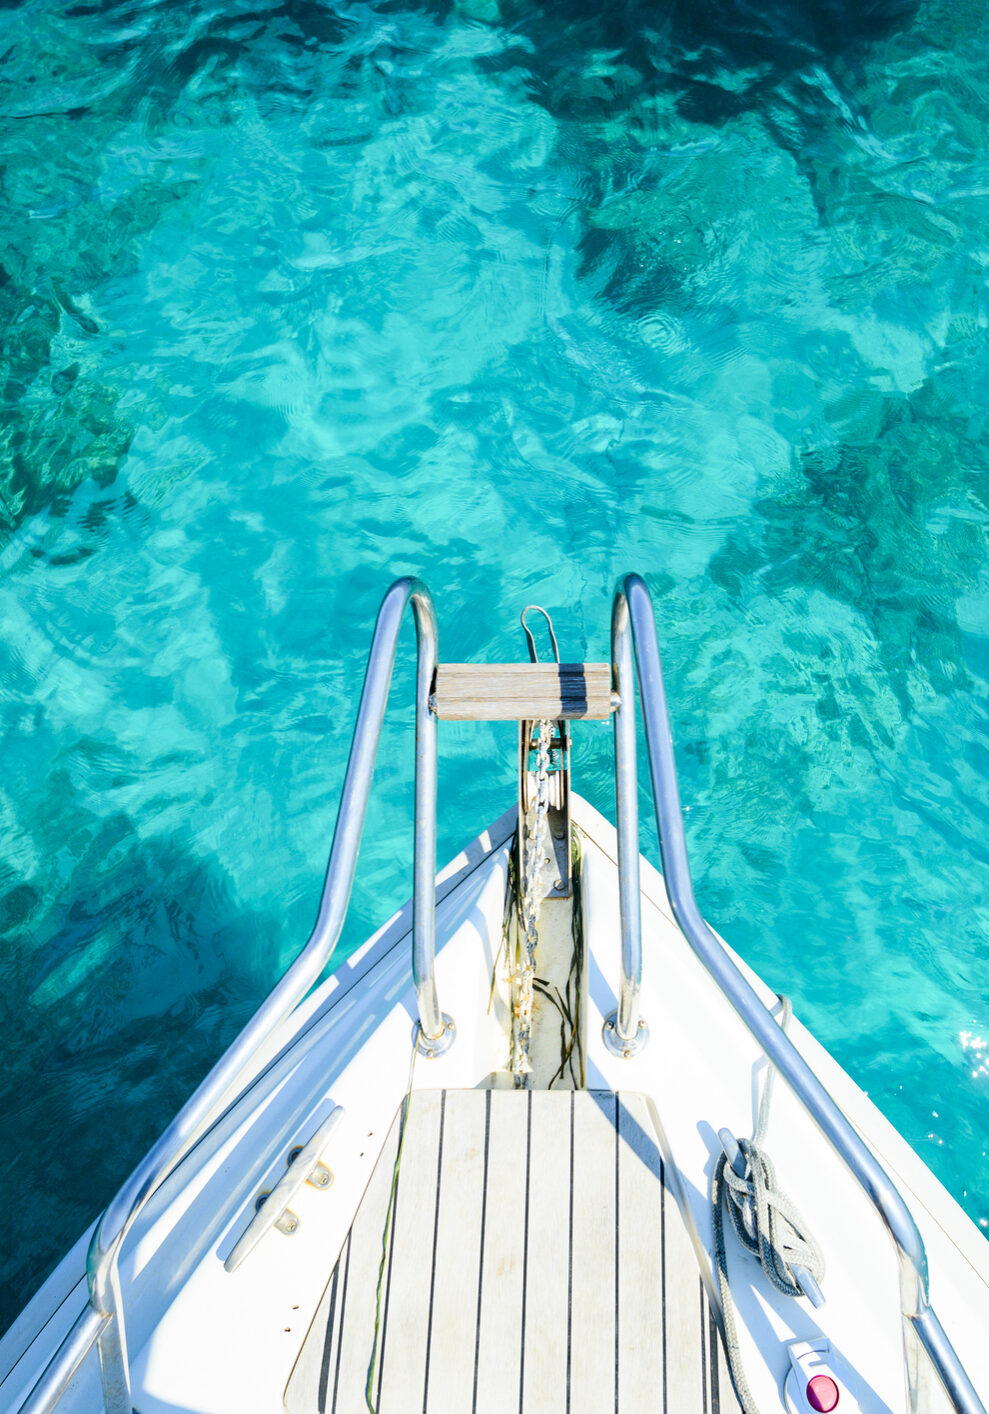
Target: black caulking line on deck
[(324, 1366), (436, 1229), (480, 1265), (570, 1262), (343, 1316), (617, 1232), (525, 1239)]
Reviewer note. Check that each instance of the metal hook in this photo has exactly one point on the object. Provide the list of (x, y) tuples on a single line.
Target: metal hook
[(533, 655)]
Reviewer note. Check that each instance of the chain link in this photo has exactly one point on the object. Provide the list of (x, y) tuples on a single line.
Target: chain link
[(536, 853)]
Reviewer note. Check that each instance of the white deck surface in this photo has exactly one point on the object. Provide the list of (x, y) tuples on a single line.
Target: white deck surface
[(204, 1341)]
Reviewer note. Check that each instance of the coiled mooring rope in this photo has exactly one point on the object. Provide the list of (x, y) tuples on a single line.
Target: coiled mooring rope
[(766, 1223)]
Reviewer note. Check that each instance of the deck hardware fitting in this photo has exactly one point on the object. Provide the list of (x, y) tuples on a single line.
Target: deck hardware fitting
[(804, 1278), (320, 1177), (433, 1046), (808, 1285), (625, 1050), (530, 641), (733, 1153), (286, 1221), (302, 1166)]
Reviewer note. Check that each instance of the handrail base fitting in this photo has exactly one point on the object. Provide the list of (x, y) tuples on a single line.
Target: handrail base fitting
[(617, 1044), (433, 1046)]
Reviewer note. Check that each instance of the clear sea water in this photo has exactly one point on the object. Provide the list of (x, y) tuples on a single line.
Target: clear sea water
[(297, 297)]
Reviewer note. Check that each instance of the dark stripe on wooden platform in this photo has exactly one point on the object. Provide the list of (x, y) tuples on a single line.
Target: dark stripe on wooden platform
[(535, 1257)]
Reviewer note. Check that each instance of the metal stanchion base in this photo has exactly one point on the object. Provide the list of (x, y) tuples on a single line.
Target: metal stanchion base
[(617, 1045), (433, 1046)]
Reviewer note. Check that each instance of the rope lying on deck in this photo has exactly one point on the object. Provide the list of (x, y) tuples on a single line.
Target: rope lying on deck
[(766, 1223)]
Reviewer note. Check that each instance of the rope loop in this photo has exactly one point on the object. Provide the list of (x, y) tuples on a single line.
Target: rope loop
[(766, 1221)]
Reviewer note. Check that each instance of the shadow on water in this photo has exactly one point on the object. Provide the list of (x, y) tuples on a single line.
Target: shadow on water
[(147, 972), (691, 46), (668, 122), (68, 421)]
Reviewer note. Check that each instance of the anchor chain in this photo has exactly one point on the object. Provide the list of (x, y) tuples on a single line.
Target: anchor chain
[(535, 851)]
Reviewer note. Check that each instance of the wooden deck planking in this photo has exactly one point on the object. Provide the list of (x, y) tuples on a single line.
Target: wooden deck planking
[(454, 1282), (509, 692), (332, 1378), (547, 1267), (536, 1262), (498, 1350), (641, 1233), (594, 1166), (404, 1343)]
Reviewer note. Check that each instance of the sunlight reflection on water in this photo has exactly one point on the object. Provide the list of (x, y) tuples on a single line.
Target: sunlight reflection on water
[(298, 297)]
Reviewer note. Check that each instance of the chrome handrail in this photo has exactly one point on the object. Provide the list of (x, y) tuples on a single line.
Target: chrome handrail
[(102, 1321), (625, 1031), (633, 616)]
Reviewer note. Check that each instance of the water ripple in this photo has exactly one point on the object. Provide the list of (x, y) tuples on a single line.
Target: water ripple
[(298, 296)]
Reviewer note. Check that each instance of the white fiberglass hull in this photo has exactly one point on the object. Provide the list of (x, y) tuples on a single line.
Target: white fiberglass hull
[(204, 1339)]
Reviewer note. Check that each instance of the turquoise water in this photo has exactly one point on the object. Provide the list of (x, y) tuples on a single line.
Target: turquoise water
[(299, 297)]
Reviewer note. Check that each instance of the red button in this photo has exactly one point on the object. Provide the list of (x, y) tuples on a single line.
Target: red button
[(822, 1393)]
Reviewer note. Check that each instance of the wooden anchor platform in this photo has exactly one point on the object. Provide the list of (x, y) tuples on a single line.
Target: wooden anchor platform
[(510, 692)]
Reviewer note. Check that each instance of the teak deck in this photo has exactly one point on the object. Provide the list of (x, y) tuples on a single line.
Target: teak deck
[(511, 692), (534, 1260)]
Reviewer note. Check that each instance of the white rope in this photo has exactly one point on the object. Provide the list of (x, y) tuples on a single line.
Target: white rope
[(766, 1223)]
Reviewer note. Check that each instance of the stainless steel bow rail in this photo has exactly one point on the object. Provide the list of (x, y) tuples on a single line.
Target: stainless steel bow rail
[(523, 692), (634, 634), (102, 1321)]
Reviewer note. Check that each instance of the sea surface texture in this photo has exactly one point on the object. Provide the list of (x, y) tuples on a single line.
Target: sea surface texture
[(298, 297)]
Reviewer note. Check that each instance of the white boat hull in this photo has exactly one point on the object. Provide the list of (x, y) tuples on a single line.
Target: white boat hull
[(204, 1339)]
